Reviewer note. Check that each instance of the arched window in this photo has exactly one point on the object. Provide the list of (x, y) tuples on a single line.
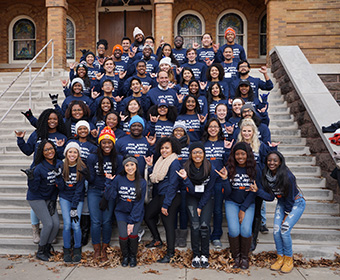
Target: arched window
[(235, 20), (263, 35), (23, 39), (70, 39), (190, 25)]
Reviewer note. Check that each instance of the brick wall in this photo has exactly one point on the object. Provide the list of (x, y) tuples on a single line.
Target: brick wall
[(313, 25), (332, 82)]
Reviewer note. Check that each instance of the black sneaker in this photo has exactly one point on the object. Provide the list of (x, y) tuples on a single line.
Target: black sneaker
[(264, 229), (196, 262), (204, 262)]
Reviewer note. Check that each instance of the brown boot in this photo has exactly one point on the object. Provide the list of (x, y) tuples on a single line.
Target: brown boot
[(245, 248), (288, 264), (104, 254), (234, 243), (36, 233), (97, 251), (278, 264)]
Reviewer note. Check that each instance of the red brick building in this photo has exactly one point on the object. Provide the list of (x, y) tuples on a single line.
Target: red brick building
[(26, 26)]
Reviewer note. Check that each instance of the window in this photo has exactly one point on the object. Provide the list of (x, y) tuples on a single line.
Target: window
[(70, 39), (235, 21), (263, 35), (23, 43), (190, 26)]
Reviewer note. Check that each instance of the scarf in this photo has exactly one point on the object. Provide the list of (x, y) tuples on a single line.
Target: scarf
[(161, 168), (271, 180), (183, 141), (196, 175)]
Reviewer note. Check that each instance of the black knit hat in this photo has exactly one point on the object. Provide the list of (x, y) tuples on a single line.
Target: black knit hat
[(240, 146), (196, 145), (89, 52)]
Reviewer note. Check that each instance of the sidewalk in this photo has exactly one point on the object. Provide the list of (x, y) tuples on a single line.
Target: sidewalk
[(23, 269)]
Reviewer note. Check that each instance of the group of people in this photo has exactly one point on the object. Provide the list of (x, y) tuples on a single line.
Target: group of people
[(171, 133)]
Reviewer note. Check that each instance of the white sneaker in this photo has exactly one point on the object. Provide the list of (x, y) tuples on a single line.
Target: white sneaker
[(204, 262), (141, 232), (196, 262)]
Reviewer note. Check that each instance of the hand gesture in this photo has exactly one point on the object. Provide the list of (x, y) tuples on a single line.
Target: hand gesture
[(110, 176), (149, 160), (273, 144), (99, 76), (171, 85), (151, 139), (195, 45), (153, 75), (59, 142), (54, 98), (122, 117), (241, 215), (199, 212), (230, 101), (27, 114), (95, 132), (179, 70), (229, 129), (20, 134), (208, 62), (202, 118), (122, 74), (263, 70), (74, 215), (165, 212), (264, 97), (203, 85), (223, 173), (253, 188), (228, 144), (182, 173), (145, 89), (64, 83), (180, 97), (94, 94), (263, 110), (101, 61), (72, 65), (118, 98), (154, 119), (130, 228), (216, 47)]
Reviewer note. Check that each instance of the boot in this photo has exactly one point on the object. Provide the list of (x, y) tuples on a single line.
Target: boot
[(166, 258), (288, 264), (177, 237), (36, 233), (97, 251), (235, 250), (124, 247), (104, 254), (133, 249), (76, 255), (183, 234), (256, 229), (278, 264), (41, 254), (49, 250), (67, 254), (245, 247), (85, 225)]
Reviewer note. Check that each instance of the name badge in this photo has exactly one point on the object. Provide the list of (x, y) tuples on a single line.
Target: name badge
[(227, 75), (199, 188)]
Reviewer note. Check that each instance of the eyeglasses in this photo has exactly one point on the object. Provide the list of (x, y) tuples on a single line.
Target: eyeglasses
[(197, 153), (101, 48), (48, 149)]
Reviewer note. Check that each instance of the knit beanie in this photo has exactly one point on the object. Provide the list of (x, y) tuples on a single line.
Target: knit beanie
[(240, 146), (81, 65), (107, 133), (128, 159), (196, 145), (247, 106), (82, 123), (117, 47), (89, 52), (180, 124), (137, 119), (78, 80), (137, 31), (229, 30), (70, 145), (165, 60)]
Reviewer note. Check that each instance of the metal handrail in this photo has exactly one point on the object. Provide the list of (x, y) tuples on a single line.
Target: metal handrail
[(30, 77)]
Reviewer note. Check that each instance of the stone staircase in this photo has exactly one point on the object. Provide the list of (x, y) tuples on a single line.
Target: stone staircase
[(316, 235)]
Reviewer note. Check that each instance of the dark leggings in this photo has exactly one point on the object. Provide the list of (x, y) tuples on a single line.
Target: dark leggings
[(122, 229), (152, 211)]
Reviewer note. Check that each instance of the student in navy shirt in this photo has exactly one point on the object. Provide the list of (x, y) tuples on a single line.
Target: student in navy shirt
[(92, 68), (166, 51), (199, 176), (146, 56), (133, 108), (101, 49), (128, 189), (190, 113), (165, 65), (166, 199), (120, 64), (126, 44), (206, 54), (81, 72), (194, 89), (221, 113), (42, 195), (229, 65), (215, 96), (238, 50), (112, 120), (186, 76), (198, 68), (71, 186), (239, 202), (178, 51), (215, 73), (105, 106), (138, 44), (235, 117)]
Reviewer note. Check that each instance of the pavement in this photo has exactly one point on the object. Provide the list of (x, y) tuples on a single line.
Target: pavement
[(22, 268)]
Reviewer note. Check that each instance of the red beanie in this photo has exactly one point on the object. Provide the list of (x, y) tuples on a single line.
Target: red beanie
[(228, 30)]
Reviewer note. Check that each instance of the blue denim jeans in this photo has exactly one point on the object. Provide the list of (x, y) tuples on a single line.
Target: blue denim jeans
[(282, 237), (235, 228), (34, 218), (218, 216), (263, 213), (65, 206), (101, 221)]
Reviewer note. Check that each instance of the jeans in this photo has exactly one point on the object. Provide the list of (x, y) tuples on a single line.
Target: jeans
[(235, 228), (263, 213), (199, 226), (282, 237), (101, 221), (218, 216), (34, 218), (182, 211), (65, 206)]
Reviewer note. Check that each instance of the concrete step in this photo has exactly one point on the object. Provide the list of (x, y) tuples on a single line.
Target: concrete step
[(309, 160), (314, 207), (289, 141), (294, 150), (283, 124), (285, 132)]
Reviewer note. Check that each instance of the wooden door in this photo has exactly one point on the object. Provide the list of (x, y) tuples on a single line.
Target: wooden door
[(111, 25)]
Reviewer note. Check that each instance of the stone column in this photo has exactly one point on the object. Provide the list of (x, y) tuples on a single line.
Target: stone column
[(163, 20), (56, 30)]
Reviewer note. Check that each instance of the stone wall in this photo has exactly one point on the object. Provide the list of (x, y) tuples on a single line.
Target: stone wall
[(332, 82), (306, 125)]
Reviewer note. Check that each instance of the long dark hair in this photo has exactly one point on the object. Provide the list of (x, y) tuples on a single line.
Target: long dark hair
[(39, 155), (171, 115), (113, 159), (250, 163), (205, 136), (181, 83), (250, 93), (220, 69), (137, 179), (175, 145), (172, 57), (184, 107), (282, 179), (100, 113), (86, 78), (206, 164), (85, 108), (209, 94), (189, 84), (140, 111), (42, 125), (118, 118)]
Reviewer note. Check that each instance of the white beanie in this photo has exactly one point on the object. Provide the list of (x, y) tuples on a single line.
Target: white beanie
[(82, 123), (70, 145), (78, 80), (180, 124), (137, 31), (165, 60)]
